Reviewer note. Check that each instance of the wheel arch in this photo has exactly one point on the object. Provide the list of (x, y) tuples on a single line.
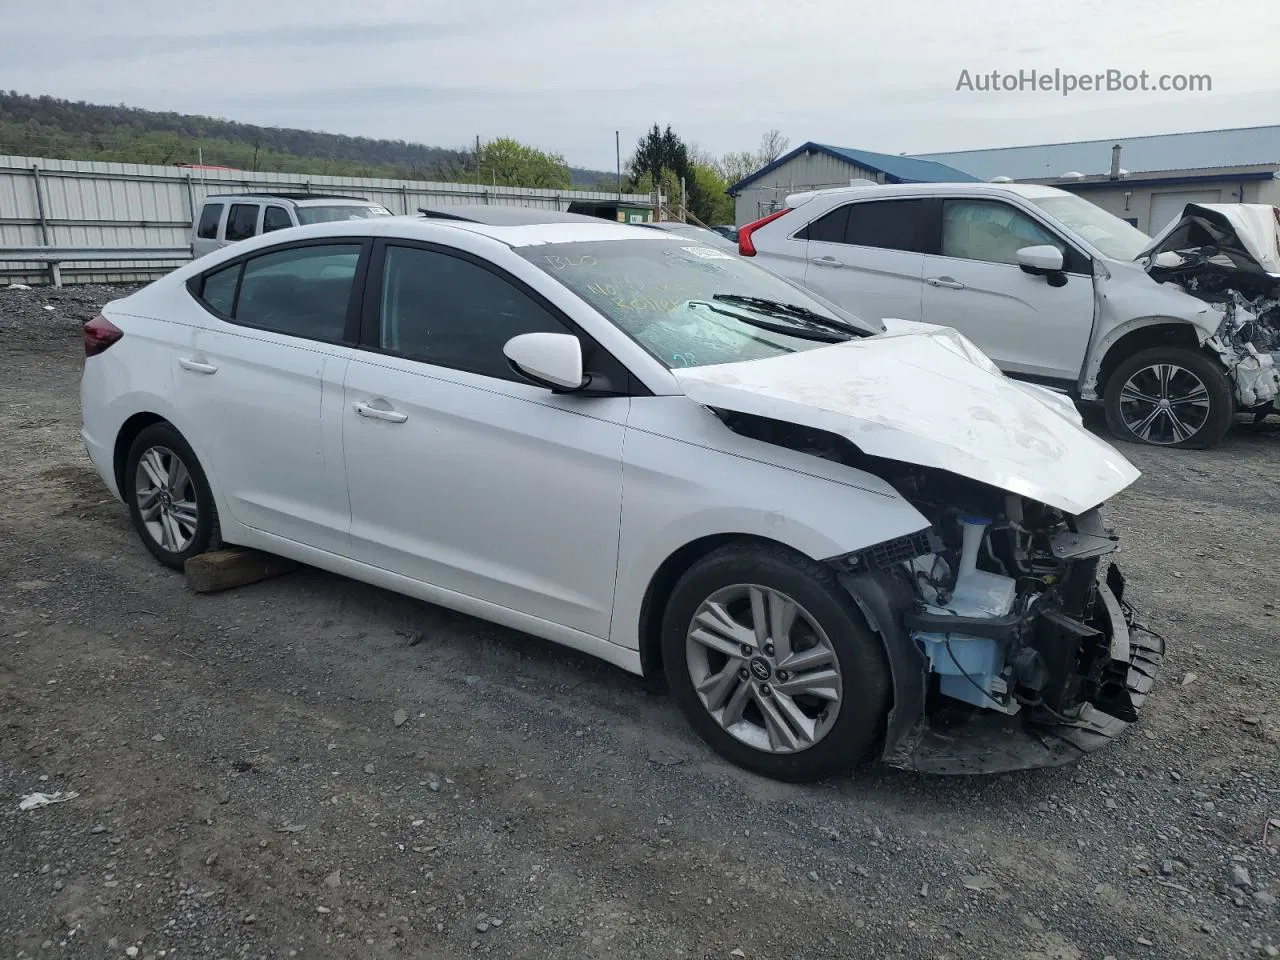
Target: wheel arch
[(1138, 334), (127, 433), (663, 581)]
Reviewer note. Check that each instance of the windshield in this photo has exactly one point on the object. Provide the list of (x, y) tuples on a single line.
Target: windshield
[(1112, 236), (695, 232), (692, 305), (345, 211)]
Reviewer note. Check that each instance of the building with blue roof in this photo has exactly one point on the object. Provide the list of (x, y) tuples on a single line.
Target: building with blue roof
[(816, 166)]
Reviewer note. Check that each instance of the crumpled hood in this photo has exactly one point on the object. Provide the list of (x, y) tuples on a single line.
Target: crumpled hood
[(1243, 236), (919, 398)]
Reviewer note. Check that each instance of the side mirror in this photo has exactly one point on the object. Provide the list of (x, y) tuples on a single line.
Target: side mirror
[(548, 359), (1041, 259)]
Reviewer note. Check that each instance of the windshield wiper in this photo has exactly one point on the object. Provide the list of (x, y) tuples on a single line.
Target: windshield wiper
[(790, 329), (792, 311)]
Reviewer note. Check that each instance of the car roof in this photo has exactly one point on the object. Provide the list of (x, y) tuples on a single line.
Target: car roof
[(300, 199), (501, 215), (1026, 190)]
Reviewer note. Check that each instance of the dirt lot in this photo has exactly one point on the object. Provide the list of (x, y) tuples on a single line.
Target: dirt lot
[(244, 790)]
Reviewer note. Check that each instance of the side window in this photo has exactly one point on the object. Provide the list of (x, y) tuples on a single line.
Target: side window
[(219, 290), (828, 228), (302, 292), (991, 231), (449, 311), (242, 222), (209, 218), (889, 225), (275, 218)]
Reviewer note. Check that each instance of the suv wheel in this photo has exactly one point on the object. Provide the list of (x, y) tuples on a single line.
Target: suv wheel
[(772, 664), (1170, 397), (169, 498)]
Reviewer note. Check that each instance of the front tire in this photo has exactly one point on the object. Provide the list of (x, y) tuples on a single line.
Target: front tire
[(169, 497), (772, 665), (1170, 397)]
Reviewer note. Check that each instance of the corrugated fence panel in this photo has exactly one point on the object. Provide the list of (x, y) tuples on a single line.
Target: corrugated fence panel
[(92, 203)]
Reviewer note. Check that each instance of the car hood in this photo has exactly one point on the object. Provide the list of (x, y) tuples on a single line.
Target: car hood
[(921, 398), (1240, 236)]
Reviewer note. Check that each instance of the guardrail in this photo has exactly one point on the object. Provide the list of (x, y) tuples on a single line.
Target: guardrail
[(54, 257)]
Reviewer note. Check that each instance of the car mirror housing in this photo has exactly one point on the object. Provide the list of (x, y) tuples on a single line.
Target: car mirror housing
[(1041, 259), (548, 359)]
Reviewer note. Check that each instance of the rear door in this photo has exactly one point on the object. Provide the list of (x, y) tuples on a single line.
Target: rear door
[(1032, 326), (868, 256), (259, 379)]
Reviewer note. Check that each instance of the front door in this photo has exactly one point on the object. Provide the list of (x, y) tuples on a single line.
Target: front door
[(1026, 324), (462, 474)]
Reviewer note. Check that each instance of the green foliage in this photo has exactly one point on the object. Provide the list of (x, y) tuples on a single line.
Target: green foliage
[(49, 127), (707, 195), (509, 163), (658, 151)]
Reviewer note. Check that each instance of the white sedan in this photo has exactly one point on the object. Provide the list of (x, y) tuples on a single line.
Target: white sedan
[(833, 538)]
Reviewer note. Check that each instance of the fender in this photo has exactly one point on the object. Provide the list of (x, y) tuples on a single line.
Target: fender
[(831, 509), (1088, 385)]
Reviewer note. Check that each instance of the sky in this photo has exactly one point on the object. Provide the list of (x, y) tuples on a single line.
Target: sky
[(565, 74)]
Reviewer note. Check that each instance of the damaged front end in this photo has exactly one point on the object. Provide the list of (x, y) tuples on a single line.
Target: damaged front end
[(1228, 255), (1010, 638)]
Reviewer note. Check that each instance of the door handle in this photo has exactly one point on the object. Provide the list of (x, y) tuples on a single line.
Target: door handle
[(196, 366), (379, 413), (947, 282), (827, 262)]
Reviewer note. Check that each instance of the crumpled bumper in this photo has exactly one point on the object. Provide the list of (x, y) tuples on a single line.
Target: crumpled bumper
[(991, 742)]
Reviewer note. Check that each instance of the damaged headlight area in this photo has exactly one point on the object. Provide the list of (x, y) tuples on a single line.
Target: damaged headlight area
[(1226, 255), (1010, 638)]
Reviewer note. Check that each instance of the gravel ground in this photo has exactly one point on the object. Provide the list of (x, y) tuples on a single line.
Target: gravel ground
[(312, 767)]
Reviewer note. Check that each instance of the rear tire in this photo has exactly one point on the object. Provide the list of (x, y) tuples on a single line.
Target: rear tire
[(169, 497), (772, 664), (1170, 397)]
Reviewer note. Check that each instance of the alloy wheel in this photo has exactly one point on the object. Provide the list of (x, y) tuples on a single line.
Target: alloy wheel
[(166, 498), (1164, 403), (763, 668)]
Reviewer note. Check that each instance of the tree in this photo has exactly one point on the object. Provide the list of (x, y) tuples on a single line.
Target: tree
[(709, 200), (738, 166), (658, 151), (508, 163), (772, 145)]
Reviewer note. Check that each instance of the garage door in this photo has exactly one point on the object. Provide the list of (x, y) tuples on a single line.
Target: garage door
[(1166, 207)]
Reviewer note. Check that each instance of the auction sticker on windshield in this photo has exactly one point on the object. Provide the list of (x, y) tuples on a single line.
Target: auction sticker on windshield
[(707, 253)]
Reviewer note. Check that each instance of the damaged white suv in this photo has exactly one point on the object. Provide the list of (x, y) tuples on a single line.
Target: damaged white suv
[(1058, 291), (831, 539)]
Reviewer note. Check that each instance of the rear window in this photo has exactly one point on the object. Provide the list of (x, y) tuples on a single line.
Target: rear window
[(242, 222), (209, 218), (344, 211)]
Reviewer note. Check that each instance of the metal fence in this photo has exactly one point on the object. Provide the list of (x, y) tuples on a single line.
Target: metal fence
[(84, 203)]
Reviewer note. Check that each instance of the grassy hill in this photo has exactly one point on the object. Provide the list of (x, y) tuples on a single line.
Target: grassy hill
[(62, 129)]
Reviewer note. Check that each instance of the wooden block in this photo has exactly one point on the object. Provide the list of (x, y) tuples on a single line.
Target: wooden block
[(233, 567)]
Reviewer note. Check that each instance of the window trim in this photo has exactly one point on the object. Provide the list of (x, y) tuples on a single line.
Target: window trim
[(355, 299), (932, 223), (262, 223), (1075, 261), (217, 224), (596, 358)]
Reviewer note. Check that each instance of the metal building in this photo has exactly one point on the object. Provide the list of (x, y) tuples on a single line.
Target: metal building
[(1145, 180), (815, 166)]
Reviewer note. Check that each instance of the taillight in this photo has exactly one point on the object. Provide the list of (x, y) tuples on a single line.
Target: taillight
[(100, 333), (745, 247)]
